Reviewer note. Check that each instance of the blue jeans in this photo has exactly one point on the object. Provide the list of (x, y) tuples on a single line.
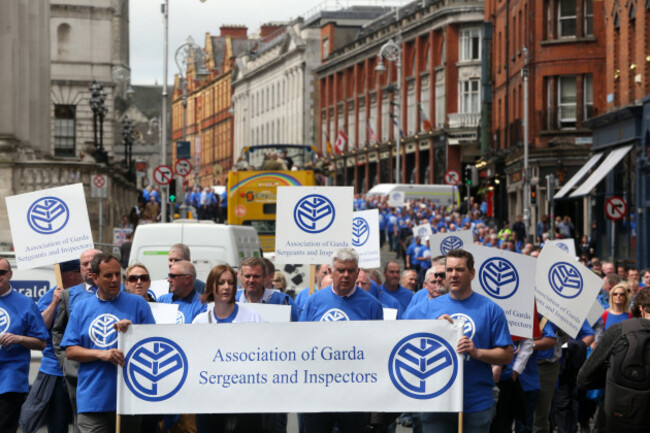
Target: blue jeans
[(447, 422)]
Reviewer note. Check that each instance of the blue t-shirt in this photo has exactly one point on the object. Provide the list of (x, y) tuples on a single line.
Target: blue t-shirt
[(277, 298), (388, 301), (402, 294), (49, 364), (487, 326), (91, 326), (612, 319), (78, 293), (411, 251), (188, 307), (301, 298), (584, 331), (326, 306), (19, 315), (421, 295)]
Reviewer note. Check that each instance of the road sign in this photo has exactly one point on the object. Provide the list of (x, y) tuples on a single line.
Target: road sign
[(183, 167), (99, 186), (183, 149), (452, 177), (615, 208), (163, 175)]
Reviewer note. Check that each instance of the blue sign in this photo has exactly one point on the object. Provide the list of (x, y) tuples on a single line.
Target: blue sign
[(314, 213), (33, 289), (155, 369), (101, 330), (183, 150), (565, 280), (48, 215), (360, 231), (499, 278), (334, 315), (5, 321), (450, 243), (423, 366)]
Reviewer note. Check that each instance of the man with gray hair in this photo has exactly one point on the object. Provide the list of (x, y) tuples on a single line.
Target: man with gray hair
[(435, 283), (181, 253), (181, 277), (343, 301)]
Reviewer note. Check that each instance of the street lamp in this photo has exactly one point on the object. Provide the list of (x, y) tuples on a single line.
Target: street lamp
[(123, 75), (99, 109), (392, 53), (182, 56), (127, 136)]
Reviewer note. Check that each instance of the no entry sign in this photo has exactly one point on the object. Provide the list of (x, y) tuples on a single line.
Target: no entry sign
[(452, 177), (163, 175), (615, 208), (183, 167)]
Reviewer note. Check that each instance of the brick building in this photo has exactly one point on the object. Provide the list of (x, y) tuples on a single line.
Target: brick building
[(622, 135), (561, 45), (208, 116), (437, 103)]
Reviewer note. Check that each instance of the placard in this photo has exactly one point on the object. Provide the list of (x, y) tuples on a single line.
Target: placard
[(357, 366), (164, 314), (365, 237), (271, 313), (312, 223), (565, 290), (423, 231), (508, 279), (49, 226), (442, 243), (566, 245), (396, 199)]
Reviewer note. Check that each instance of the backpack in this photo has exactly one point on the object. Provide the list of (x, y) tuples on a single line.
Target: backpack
[(627, 392)]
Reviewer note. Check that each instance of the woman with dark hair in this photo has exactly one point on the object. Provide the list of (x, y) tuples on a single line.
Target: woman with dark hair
[(220, 288)]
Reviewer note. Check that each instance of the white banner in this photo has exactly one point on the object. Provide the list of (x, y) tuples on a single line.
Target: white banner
[(442, 243), (49, 226), (565, 290), (423, 231), (509, 280), (164, 313), (566, 245), (365, 237), (312, 223), (356, 366), (158, 288)]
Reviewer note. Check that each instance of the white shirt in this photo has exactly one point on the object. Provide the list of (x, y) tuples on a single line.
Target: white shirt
[(244, 315)]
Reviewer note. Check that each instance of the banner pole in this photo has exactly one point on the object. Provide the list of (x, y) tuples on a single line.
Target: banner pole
[(312, 279), (460, 422), (57, 275), (118, 423)]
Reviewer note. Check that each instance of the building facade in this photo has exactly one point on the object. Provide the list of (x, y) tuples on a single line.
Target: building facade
[(558, 48), (622, 137), (428, 97), (208, 124)]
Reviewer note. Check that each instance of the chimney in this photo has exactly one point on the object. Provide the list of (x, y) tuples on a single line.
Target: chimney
[(268, 29), (234, 31)]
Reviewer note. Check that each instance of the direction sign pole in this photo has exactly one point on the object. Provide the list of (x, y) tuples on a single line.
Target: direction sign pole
[(101, 220), (613, 240)]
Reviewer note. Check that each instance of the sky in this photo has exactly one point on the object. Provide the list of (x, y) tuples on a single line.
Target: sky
[(195, 18)]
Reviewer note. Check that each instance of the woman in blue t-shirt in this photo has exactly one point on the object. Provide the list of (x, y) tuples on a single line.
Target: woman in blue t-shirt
[(619, 306)]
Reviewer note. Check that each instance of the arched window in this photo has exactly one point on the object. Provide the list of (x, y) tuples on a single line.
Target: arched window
[(62, 38)]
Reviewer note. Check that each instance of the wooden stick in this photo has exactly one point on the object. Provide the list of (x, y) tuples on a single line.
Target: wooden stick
[(57, 275), (118, 423), (312, 279), (460, 422)]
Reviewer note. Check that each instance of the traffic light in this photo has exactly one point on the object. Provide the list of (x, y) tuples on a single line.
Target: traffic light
[(468, 176), (172, 191), (533, 195)]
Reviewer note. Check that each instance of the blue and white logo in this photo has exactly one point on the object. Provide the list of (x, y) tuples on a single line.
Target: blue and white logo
[(470, 327), (565, 280), (499, 278), (101, 330), (180, 317), (423, 366), (152, 294), (450, 243), (314, 213), (360, 231), (334, 315), (48, 215), (155, 369), (564, 247), (5, 321)]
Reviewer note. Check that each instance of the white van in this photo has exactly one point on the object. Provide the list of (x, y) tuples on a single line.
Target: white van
[(210, 245), (443, 195)]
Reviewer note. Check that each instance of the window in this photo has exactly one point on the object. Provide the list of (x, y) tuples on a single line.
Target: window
[(589, 17), (567, 101), (470, 96), (440, 99), (566, 18), (64, 130), (589, 95), (326, 47), (470, 44)]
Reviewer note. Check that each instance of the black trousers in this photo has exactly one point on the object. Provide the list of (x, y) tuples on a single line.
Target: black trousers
[(347, 422), (10, 404)]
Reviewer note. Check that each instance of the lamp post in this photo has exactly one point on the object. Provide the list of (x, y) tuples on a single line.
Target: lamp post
[(123, 75), (526, 192), (127, 136), (391, 51), (99, 109), (182, 56)]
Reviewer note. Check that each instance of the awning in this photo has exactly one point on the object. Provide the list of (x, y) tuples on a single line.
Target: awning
[(578, 176), (607, 165)]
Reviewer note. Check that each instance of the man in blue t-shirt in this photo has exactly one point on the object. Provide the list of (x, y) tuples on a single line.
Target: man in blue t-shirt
[(181, 252), (21, 330), (392, 287), (181, 285), (344, 301), (486, 342), (48, 402), (321, 272), (386, 301), (91, 340)]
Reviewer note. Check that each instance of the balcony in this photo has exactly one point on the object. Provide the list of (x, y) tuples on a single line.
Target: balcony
[(464, 120)]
